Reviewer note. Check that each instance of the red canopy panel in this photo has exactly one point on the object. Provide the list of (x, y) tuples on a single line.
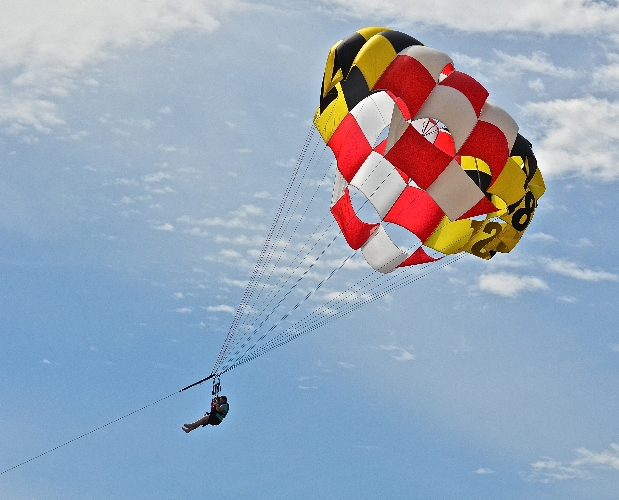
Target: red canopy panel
[(353, 228), (416, 211)]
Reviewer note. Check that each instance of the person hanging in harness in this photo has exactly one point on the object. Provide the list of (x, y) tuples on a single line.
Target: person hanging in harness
[(219, 410)]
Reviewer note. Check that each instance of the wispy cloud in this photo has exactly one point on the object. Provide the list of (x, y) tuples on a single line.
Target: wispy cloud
[(510, 285), (542, 237), (46, 43), (221, 308), (606, 77), (576, 271), (237, 283), (401, 354), (552, 17), (158, 177), (238, 219), (484, 471), (508, 66), (549, 470)]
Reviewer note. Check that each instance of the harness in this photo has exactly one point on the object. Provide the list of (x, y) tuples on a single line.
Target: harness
[(225, 407)]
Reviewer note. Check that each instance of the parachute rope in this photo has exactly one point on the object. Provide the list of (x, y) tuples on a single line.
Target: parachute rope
[(268, 249), (91, 432), (305, 325), (291, 269), (259, 267)]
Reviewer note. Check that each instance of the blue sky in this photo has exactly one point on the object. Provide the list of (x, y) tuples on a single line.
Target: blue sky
[(145, 148)]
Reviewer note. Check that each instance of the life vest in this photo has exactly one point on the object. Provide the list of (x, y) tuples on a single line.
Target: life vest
[(224, 411)]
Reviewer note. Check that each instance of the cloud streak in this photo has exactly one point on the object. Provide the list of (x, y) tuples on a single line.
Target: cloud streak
[(508, 66), (549, 470), (510, 285), (221, 308), (573, 270), (44, 44), (550, 17)]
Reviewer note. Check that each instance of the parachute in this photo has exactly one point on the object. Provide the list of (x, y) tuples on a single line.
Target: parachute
[(452, 170), (419, 142), (419, 153)]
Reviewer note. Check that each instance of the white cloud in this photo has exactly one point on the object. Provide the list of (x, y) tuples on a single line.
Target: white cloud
[(549, 17), (230, 254), (573, 270), (236, 222), (508, 66), (46, 43), (158, 177), (548, 470), (247, 210), (510, 285), (577, 137), (165, 190), (537, 85), (126, 182), (542, 237), (21, 111), (184, 310), (402, 354), (221, 308), (256, 241), (165, 227), (606, 78), (289, 163), (584, 243), (567, 299), (483, 471), (238, 283)]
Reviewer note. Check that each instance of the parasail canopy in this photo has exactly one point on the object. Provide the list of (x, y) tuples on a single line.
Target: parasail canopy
[(422, 144)]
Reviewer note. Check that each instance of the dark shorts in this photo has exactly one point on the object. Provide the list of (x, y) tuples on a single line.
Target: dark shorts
[(212, 419)]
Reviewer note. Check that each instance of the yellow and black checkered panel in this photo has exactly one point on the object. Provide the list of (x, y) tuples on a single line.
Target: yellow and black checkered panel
[(353, 66), (514, 192)]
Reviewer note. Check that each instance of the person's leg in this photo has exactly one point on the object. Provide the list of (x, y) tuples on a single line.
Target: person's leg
[(196, 424)]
